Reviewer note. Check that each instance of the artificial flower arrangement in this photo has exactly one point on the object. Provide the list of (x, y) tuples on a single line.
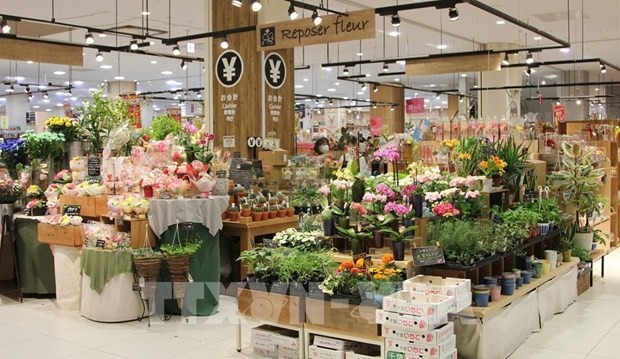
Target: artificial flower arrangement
[(53, 206), (62, 220), (104, 236), (53, 191), (34, 192), (70, 189)]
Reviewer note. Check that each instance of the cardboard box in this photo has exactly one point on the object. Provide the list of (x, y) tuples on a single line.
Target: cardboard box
[(285, 353), (451, 287), (70, 236), (362, 355), (265, 353), (453, 354), (287, 339), (277, 157), (263, 338), (435, 351), (331, 343), (412, 303), (432, 337), (323, 353), (409, 322)]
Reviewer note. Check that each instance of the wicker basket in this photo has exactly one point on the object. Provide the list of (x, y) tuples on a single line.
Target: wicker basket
[(147, 267), (178, 267)]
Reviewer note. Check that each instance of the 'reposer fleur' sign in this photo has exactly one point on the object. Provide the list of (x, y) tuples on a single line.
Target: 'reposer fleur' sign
[(357, 25)]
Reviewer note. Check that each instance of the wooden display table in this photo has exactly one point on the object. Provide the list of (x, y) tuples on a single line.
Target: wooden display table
[(248, 231)]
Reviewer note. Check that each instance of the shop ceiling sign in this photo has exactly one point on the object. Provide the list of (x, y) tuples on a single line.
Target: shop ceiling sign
[(357, 25), (453, 64)]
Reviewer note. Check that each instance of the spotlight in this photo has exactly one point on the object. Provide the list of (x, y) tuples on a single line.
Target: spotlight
[(316, 100), (256, 5), (375, 88), (237, 3), (199, 95), (603, 68), (29, 96), (316, 18), (396, 20), (528, 72), (45, 94), (578, 102), (183, 65), (133, 45), (374, 105), (176, 51), (331, 102), (345, 71), (11, 89), (461, 98), (292, 13), (89, 38), (5, 26), (529, 59), (224, 43), (364, 87), (27, 89), (386, 68), (453, 13), (506, 60), (99, 57), (437, 97)]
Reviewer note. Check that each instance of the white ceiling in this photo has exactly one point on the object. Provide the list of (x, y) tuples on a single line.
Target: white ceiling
[(597, 36)]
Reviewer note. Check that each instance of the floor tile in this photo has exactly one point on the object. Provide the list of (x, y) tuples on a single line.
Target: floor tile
[(42, 347), (608, 347), (152, 345), (9, 335), (527, 352), (571, 339), (94, 354)]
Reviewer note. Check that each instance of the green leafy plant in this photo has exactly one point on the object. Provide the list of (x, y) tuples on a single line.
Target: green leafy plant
[(186, 249), (581, 253), (463, 248), (400, 235), (163, 126), (515, 156), (146, 253), (599, 237), (43, 145), (327, 214)]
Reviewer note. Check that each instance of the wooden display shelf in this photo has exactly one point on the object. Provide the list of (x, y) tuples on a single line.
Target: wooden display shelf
[(71, 236), (341, 316), (136, 227), (270, 307), (525, 289), (92, 207), (350, 334)]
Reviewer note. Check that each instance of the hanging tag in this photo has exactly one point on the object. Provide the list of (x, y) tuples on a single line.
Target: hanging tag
[(141, 282), (189, 278)]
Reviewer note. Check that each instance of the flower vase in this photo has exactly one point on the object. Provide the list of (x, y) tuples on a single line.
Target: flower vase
[(398, 250), (487, 184), (356, 246), (417, 202), (148, 191)]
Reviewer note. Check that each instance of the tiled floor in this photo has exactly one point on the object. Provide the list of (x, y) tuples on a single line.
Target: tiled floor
[(590, 328)]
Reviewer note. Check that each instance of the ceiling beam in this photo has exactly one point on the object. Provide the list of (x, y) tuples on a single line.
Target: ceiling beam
[(517, 87)]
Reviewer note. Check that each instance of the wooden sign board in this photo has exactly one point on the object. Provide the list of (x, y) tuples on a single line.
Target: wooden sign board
[(71, 210), (454, 64), (427, 256), (358, 25), (25, 50)]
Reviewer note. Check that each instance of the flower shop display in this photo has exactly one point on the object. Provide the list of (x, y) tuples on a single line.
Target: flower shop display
[(13, 154), (66, 126), (178, 257)]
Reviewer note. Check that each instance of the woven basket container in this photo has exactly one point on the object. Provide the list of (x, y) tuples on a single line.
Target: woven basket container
[(178, 267), (147, 267)]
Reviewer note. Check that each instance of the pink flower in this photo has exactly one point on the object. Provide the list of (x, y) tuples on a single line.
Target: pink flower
[(445, 210), (324, 190), (189, 128), (359, 208), (385, 190), (388, 154), (368, 198), (432, 196), (399, 209), (408, 190), (457, 181), (472, 194), (342, 184)]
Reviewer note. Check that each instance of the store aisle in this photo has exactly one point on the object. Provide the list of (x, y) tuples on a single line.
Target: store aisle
[(590, 328)]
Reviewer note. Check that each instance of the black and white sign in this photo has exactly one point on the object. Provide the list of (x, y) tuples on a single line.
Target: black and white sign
[(71, 210), (259, 142), (229, 68), (268, 37), (274, 70), (94, 166), (251, 142)]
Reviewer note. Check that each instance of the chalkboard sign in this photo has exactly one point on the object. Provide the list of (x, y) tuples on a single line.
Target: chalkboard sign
[(71, 210), (427, 256), (258, 168), (100, 243), (94, 166), (93, 179)]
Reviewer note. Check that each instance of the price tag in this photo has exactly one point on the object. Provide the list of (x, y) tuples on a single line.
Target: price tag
[(141, 282), (93, 179), (427, 256), (94, 166), (71, 210), (100, 243), (190, 278)]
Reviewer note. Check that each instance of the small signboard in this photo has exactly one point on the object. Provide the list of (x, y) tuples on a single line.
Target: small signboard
[(93, 179), (94, 166), (559, 113), (71, 210), (427, 256), (100, 243), (229, 141)]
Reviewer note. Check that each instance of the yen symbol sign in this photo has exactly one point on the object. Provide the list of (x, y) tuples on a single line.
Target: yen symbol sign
[(229, 68), (274, 70)]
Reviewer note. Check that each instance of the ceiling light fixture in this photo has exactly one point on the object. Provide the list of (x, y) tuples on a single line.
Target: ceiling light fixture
[(386, 68), (578, 102), (529, 59), (374, 105), (256, 5), (133, 45), (603, 68), (393, 107), (396, 20), (506, 60), (345, 71), (237, 3), (146, 13), (89, 38), (331, 102), (375, 88), (99, 57), (11, 89), (292, 13), (224, 44), (528, 72), (453, 13), (183, 65), (316, 18), (27, 89), (176, 51), (5, 26), (364, 87), (45, 94)]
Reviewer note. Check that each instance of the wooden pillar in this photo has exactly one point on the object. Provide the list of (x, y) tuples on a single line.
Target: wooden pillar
[(393, 119)]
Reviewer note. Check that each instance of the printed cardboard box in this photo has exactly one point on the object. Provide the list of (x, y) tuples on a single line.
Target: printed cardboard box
[(286, 353), (324, 353), (332, 343), (438, 351), (395, 355), (412, 303), (362, 355), (451, 287), (409, 322), (432, 337)]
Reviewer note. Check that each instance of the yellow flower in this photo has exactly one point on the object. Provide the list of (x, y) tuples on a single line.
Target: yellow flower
[(68, 124), (464, 156)]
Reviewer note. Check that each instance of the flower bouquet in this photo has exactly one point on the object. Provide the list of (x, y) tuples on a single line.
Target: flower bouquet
[(12, 154), (63, 177), (69, 189), (34, 192), (37, 207), (53, 191), (66, 126), (10, 191)]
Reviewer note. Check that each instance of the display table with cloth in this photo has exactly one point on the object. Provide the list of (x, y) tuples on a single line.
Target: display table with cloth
[(204, 217), (34, 259), (67, 276), (107, 281)]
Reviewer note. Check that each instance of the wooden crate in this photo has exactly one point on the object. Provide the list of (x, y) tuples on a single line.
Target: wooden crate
[(343, 315), (89, 206), (137, 228), (583, 282), (71, 236), (271, 307)]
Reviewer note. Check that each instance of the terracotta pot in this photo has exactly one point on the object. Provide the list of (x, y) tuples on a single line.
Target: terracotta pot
[(273, 214), (290, 212), (233, 216), (281, 213), (257, 216), (246, 212), (265, 215), (224, 215)]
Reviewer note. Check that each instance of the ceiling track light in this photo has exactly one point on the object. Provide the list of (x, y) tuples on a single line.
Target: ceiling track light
[(45, 94), (237, 3), (374, 105), (27, 89), (292, 13), (99, 57), (5, 26), (375, 88), (506, 60), (11, 89), (183, 65), (89, 38), (453, 13), (224, 43), (396, 20), (386, 68), (316, 18), (331, 102), (176, 51), (603, 68), (364, 87), (528, 72), (393, 108), (256, 5), (133, 45), (345, 71), (529, 59)]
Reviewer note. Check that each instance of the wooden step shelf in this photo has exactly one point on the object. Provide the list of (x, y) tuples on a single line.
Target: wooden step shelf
[(136, 227)]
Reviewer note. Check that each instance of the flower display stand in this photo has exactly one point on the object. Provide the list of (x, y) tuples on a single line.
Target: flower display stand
[(70, 236), (136, 227), (92, 207)]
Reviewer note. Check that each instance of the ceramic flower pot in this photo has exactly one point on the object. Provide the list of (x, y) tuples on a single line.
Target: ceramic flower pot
[(257, 216), (245, 212), (566, 256), (265, 216), (527, 277), (281, 213), (487, 184), (398, 250), (481, 294), (272, 214), (584, 240), (496, 293), (233, 216)]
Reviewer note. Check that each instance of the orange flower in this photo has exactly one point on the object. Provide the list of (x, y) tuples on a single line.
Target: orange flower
[(360, 263), (346, 265), (484, 164), (387, 258)]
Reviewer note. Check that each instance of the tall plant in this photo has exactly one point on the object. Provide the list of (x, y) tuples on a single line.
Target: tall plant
[(514, 155), (579, 181), (100, 116)]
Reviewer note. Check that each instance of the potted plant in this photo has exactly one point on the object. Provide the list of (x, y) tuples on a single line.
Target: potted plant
[(246, 210), (233, 213), (355, 238), (328, 221), (398, 240), (493, 169), (257, 214), (290, 210), (147, 264), (514, 155), (376, 224), (37, 207), (178, 257), (579, 183), (281, 211), (273, 212)]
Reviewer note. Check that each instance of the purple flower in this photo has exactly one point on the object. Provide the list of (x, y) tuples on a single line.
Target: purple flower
[(388, 154), (399, 209), (384, 190), (189, 128)]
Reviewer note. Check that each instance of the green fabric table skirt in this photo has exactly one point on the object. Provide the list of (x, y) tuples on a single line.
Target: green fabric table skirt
[(34, 259), (101, 265), (202, 296)]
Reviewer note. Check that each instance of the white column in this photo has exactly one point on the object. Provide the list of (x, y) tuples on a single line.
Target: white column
[(208, 66), (117, 88), (16, 108), (497, 103)]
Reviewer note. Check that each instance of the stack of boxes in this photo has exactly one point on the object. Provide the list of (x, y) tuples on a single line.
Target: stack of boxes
[(274, 162), (274, 342), (332, 348), (415, 321)]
